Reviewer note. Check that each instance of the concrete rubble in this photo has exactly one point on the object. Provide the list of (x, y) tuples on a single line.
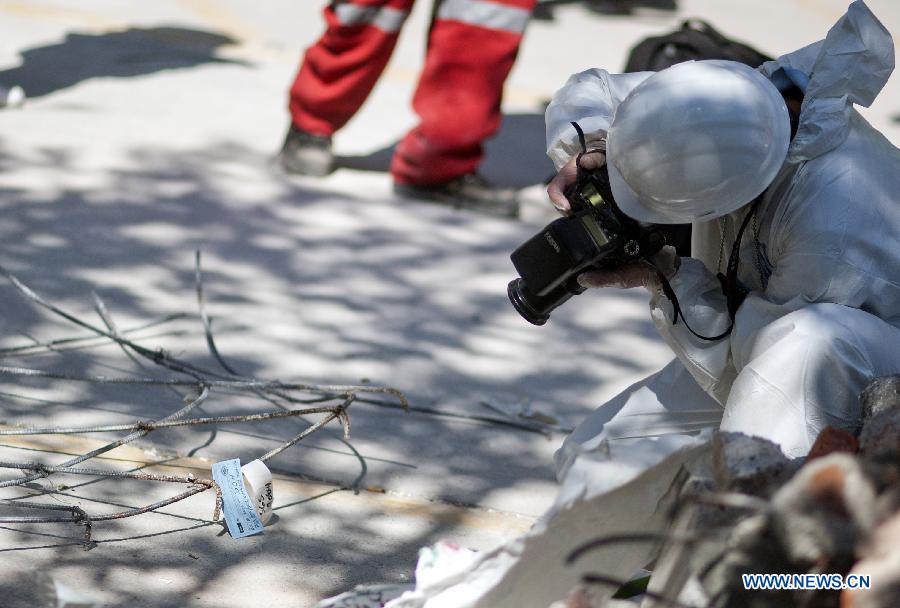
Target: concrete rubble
[(835, 512)]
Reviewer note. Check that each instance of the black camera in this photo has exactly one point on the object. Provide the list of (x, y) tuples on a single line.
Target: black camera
[(596, 235)]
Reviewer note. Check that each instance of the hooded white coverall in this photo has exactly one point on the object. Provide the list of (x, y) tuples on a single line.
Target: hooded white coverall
[(822, 262)]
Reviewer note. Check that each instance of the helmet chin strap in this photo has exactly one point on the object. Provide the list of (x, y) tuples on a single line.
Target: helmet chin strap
[(583, 142)]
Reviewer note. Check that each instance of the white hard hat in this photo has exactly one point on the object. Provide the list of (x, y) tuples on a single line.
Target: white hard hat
[(696, 141)]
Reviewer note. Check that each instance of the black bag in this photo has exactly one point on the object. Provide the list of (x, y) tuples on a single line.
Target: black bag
[(696, 39)]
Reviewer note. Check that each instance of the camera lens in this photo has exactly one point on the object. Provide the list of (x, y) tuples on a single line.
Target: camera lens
[(536, 309), (522, 300)]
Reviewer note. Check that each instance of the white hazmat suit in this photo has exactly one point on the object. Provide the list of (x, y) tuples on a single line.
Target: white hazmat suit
[(822, 265)]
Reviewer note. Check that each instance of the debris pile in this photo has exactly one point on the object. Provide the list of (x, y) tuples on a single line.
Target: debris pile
[(750, 510)]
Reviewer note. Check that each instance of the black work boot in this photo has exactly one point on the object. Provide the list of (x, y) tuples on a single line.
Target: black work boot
[(470, 191), (304, 153)]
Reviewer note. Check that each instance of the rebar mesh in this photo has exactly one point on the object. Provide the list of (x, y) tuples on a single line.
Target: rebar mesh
[(291, 399)]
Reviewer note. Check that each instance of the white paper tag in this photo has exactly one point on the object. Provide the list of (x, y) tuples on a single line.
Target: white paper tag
[(238, 508), (258, 481)]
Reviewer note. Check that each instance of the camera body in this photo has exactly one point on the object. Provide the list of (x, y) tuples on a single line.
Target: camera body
[(596, 235)]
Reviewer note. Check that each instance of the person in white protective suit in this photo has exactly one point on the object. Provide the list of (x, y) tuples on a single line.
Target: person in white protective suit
[(779, 155), (709, 142), (712, 143)]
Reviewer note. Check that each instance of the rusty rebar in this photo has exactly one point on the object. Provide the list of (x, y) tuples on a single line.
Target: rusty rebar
[(201, 380)]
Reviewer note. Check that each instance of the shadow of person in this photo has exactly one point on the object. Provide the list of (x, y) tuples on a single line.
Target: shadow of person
[(122, 54), (513, 158)]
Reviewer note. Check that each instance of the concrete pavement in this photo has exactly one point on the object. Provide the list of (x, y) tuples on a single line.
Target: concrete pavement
[(150, 134)]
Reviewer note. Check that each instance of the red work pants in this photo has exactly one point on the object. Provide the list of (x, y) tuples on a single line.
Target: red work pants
[(471, 48)]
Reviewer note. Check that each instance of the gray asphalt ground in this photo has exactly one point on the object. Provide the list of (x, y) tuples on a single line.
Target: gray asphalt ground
[(149, 133)]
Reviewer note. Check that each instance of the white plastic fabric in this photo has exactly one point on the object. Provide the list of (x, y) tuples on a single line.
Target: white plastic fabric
[(680, 144), (626, 489)]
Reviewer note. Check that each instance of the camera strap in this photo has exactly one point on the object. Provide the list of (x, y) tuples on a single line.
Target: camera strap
[(584, 148), (734, 293)]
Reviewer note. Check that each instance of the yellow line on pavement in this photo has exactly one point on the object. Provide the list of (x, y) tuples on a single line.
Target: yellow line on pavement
[(54, 13), (221, 19), (372, 500)]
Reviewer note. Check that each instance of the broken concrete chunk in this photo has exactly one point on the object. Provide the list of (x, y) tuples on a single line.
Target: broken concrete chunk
[(880, 437), (748, 464), (881, 394), (880, 402)]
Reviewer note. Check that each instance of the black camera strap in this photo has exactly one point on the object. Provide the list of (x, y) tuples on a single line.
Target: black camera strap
[(734, 293)]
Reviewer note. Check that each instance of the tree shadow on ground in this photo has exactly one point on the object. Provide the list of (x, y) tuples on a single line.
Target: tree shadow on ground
[(122, 54), (304, 284)]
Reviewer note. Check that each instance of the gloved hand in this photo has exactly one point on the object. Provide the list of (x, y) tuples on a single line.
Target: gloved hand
[(635, 274), (593, 159)]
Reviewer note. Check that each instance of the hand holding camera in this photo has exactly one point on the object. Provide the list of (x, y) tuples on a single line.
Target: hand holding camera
[(595, 238), (592, 160)]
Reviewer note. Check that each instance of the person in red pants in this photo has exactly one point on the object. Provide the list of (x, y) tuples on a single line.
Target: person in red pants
[(472, 46)]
